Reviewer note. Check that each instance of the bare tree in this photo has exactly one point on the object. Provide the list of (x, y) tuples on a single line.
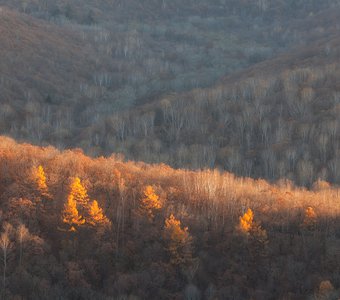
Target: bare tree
[(322, 145), (6, 246), (22, 237), (306, 172)]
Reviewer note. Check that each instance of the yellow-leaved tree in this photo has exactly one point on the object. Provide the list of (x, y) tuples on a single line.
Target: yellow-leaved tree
[(256, 236), (78, 209), (246, 221), (309, 221), (96, 215), (79, 193), (40, 178), (179, 241), (150, 202), (71, 215)]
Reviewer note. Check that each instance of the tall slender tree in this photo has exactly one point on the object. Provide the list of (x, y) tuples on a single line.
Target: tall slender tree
[(96, 215), (71, 215), (179, 241), (79, 194), (150, 202)]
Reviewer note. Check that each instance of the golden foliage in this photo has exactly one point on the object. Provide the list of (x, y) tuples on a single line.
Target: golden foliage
[(310, 218), (246, 221), (256, 236), (96, 215), (40, 178), (150, 202), (179, 241), (79, 192), (71, 215), (320, 185)]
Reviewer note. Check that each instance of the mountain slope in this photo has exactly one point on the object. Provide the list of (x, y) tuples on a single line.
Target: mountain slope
[(276, 119), (232, 237), (39, 56), (42, 69), (117, 85)]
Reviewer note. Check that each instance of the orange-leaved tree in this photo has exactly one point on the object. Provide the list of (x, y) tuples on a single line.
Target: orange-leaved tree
[(310, 218), (40, 179), (256, 236), (246, 221), (179, 241), (150, 202), (96, 215), (79, 193), (71, 215)]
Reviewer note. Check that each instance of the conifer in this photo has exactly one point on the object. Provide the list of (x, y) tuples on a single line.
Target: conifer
[(150, 202), (179, 241), (71, 215), (40, 179), (96, 215), (309, 221), (79, 193)]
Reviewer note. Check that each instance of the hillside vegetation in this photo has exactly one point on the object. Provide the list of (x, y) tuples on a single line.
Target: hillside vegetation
[(74, 227), (174, 150), (277, 119), (118, 76)]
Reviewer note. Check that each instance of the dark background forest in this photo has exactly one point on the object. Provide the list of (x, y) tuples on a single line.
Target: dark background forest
[(218, 121)]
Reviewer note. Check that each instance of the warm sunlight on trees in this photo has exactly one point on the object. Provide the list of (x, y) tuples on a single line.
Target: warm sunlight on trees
[(40, 178), (96, 215), (78, 199), (79, 193), (310, 218), (320, 185), (71, 215), (223, 212), (150, 202), (246, 221), (257, 237), (179, 241)]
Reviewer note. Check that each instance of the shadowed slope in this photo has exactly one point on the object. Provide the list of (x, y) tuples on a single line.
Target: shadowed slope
[(39, 58)]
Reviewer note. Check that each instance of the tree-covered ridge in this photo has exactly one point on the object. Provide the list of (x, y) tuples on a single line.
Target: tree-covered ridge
[(278, 119), (158, 233), (118, 87), (66, 75)]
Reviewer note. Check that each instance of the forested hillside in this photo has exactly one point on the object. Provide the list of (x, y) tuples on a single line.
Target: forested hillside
[(278, 119), (174, 150), (75, 227), (145, 80)]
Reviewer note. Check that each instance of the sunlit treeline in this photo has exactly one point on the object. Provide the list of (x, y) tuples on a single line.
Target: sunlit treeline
[(203, 234)]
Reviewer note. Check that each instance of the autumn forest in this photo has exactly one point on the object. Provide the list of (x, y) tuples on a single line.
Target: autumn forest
[(176, 150), (81, 228)]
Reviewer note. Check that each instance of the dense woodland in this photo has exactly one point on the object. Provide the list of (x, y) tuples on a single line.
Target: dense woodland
[(144, 80), (206, 149), (75, 227)]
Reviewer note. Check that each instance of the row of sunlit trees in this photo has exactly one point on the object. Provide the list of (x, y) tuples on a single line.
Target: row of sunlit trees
[(79, 211)]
